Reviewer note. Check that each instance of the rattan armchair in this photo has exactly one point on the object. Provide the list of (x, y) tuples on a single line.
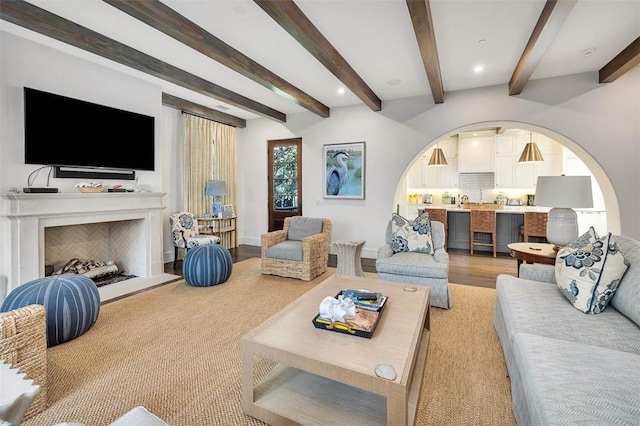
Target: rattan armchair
[(23, 345), (289, 253)]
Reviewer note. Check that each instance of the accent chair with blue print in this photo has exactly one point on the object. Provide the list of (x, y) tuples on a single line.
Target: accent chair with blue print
[(186, 234), (414, 253)]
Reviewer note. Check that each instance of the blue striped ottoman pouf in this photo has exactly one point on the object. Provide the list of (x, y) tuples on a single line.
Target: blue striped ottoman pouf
[(204, 266), (71, 302)]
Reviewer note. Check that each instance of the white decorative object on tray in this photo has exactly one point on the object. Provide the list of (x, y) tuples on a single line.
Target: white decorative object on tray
[(337, 310)]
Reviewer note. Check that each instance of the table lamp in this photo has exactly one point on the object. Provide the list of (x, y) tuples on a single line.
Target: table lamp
[(215, 189), (563, 194)]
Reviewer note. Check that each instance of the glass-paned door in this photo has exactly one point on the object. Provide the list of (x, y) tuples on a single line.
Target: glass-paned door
[(285, 180)]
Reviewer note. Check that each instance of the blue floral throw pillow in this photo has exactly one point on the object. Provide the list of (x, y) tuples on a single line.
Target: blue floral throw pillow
[(589, 270), (411, 236)]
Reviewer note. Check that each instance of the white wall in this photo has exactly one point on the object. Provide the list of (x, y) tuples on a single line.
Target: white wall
[(598, 122)]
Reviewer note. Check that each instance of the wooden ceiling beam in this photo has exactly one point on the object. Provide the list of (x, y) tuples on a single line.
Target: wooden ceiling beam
[(202, 111), (41, 21), (623, 62), (161, 17), (420, 12), (553, 15), (295, 22)]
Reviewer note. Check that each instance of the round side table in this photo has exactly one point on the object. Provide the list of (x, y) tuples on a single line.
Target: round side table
[(348, 252)]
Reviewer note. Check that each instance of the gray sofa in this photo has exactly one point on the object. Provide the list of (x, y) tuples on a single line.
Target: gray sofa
[(567, 367), (418, 268)]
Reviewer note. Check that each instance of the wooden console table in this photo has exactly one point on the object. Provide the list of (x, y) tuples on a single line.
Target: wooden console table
[(221, 225), (533, 252)]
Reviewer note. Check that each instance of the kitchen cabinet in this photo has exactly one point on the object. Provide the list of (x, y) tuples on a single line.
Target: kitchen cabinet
[(476, 152), (512, 174), (421, 175)]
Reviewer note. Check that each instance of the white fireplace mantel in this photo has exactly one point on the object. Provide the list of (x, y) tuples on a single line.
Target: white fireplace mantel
[(24, 217)]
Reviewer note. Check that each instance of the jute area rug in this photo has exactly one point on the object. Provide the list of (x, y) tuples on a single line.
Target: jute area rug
[(176, 350)]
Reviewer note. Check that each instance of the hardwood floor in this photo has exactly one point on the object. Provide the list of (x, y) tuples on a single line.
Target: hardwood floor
[(479, 270)]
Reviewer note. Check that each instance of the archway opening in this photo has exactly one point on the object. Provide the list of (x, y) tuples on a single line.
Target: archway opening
[(446, 185)]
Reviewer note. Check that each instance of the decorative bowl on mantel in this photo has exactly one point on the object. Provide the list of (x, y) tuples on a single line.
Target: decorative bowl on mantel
[(90, 187)]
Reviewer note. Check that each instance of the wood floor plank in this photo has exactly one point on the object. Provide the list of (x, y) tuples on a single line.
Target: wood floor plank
[(480, 270)]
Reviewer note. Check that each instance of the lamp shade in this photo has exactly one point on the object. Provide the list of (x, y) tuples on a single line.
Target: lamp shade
[(530, 154), (438, 158), (564, 191), (216, 188)]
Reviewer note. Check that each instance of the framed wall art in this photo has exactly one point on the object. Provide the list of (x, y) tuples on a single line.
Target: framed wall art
[(344, 170), (227, 211)]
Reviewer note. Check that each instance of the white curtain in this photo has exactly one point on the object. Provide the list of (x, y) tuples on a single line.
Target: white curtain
[(208, 152), (224, 164), (197, 163)]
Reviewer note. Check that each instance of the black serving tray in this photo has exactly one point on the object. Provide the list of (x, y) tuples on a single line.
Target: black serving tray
[(346, 328)]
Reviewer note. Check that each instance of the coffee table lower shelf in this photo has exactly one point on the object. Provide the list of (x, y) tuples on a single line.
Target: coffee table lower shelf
[(288, 395)]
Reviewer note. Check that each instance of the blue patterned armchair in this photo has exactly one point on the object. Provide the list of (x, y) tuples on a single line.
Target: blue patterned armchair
[(186, 234), (415, 254)]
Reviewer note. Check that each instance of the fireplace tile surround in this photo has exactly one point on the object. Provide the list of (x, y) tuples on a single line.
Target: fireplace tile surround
[(126, 227)]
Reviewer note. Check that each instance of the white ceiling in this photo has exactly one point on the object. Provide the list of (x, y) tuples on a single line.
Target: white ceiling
[(376, 37)]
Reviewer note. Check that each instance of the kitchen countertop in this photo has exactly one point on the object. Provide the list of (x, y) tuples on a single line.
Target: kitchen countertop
[(498, 209)]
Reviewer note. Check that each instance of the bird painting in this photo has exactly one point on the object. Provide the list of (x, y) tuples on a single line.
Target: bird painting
[(337, 174)]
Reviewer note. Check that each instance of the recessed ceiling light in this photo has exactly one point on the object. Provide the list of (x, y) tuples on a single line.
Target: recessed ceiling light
[(222, 107), (340, 90), (394, 82), (590, 51), (478, 68), (482, 41)]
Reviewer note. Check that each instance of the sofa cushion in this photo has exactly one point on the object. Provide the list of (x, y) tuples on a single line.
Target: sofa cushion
[(589, 270), (539, 308), (286, 250), (571, 383), (411, 235), (300, 227), (627, 298), (413, 264)]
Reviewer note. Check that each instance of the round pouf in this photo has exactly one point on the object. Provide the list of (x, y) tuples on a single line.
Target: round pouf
[(71, 302), (204, 266)]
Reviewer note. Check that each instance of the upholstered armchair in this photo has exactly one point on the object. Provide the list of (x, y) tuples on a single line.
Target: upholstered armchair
[(300, 250), (186, 233), (414, 253)]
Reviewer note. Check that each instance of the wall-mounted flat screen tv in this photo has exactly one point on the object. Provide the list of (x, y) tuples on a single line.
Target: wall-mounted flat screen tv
[(61, 131)]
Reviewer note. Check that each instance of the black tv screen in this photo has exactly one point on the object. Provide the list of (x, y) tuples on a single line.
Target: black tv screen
[(61, 131)]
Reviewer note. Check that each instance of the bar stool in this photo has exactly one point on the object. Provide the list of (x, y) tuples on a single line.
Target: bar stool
[(535, 225), (482, 222), (439, 215)]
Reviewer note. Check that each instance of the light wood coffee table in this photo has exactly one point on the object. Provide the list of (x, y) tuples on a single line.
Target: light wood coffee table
[(327, 378)]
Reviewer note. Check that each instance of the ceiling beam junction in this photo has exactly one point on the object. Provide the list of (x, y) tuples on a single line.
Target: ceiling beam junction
[(51, 25), (295, 22), (420, 12), (553, 15), (623, 62), (161, 17)]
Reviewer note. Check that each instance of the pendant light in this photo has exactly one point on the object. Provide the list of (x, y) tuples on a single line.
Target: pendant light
[(530, 153), (437, 157)]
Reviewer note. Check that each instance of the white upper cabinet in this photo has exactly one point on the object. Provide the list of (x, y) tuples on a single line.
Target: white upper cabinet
[(422, 175), (476, 152), (512, 174)]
